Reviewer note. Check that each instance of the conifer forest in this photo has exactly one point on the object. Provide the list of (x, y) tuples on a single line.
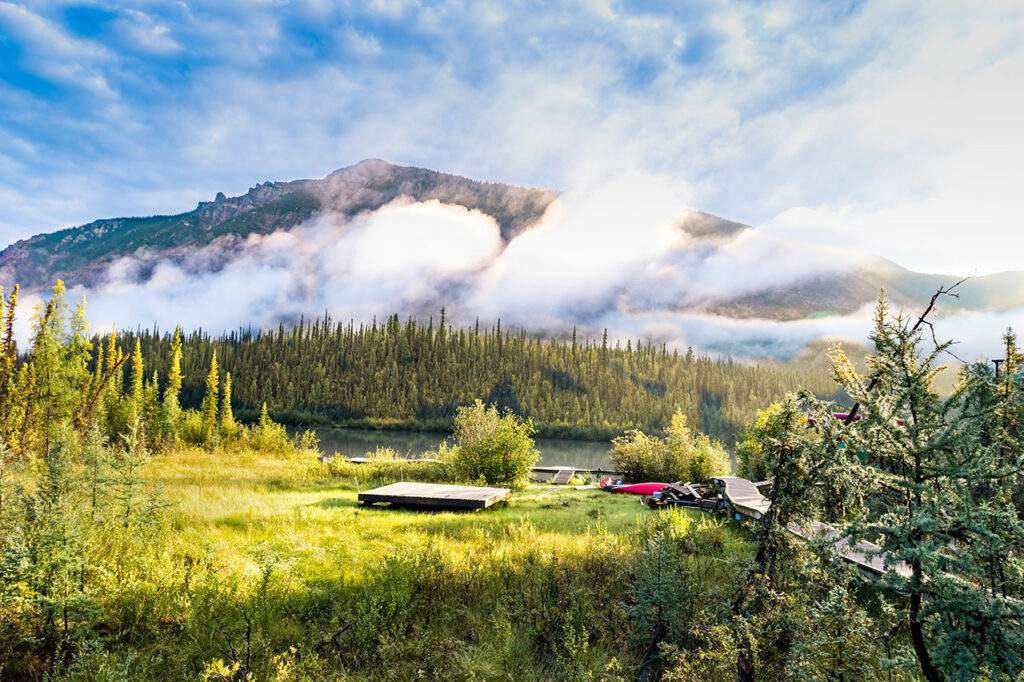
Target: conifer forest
[(413, 375)]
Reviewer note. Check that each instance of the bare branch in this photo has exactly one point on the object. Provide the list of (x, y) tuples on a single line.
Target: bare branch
[(943, 291)]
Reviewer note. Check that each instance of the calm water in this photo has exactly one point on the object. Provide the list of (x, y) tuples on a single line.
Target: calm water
[(357, 442)]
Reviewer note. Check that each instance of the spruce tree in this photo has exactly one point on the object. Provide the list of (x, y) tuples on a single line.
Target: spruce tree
[(938, 475), (209, 408), (228, 426), (151, 413), (125, 483), (94, 475), (136, 386), (54, 540), (8, 360), (171, 412)]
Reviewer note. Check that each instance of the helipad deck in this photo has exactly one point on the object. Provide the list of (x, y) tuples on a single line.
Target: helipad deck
[(436, 495)]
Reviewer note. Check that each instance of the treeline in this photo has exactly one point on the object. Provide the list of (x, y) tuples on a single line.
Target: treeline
[(413, 375), (66, 386)]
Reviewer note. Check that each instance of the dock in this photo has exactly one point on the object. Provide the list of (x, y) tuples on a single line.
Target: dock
[(435, 495), (743, 496), (744, 499), (563, 476), (552, 469)]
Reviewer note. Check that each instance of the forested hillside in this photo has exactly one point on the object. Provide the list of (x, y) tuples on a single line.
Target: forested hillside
[(413, 375)]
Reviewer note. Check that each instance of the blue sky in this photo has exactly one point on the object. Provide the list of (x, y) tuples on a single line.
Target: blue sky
[(896, 122)]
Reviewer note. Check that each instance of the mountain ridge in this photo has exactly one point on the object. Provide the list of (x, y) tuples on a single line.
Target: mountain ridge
[(266, 207), (83, 255)]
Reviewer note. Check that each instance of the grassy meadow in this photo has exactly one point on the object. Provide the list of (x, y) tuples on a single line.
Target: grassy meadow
[(254, 566), (245, 509)]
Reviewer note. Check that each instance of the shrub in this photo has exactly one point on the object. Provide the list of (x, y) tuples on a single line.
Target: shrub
[(681, 456), (641, 457), (751, 458), (695, 455), (190, 429), (384, 466), (492, 447), (269, 436)]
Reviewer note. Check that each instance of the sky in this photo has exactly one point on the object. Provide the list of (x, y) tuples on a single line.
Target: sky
[(893, 127)]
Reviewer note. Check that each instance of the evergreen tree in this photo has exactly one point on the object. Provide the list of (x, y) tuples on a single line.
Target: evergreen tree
[(125, 483), (54, 540), (171, 411), (60, 355), (8, 361), (136, 386), (151, 414), (937, 472), (419, 375), (94, 475), (24, 420), (210, 406), (228, 426)]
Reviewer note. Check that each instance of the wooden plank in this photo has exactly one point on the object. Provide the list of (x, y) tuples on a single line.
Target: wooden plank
[(744, 496), (866, 555), (388, 460), (594, 470), (435, 495), (563, 476)]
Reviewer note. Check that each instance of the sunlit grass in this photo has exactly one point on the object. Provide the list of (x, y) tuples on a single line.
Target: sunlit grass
[(248, 557), (245, 510)]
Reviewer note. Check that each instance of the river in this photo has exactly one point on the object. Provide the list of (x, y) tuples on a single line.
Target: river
[(580, 454)]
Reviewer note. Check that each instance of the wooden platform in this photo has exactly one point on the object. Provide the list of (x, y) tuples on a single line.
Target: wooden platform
[(867, 556), (563, 476), (435, 495), (743, 496), (746, 499)]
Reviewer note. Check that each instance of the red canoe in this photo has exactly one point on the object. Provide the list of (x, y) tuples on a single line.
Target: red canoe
[(639, 488)]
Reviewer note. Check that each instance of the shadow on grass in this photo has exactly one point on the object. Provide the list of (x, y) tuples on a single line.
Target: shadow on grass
[(334, 503)]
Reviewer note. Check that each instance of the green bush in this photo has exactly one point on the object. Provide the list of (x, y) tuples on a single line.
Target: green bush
[(681, 456), (190, 429), (640, 457), (493, 448), (751, 459)]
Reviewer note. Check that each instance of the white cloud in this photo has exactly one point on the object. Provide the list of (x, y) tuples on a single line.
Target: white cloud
[(147, 34), (588, 246), (894, 122), (52, 53), (361, 44)]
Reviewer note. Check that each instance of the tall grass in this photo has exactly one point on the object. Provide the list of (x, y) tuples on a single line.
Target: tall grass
[(266, 566)]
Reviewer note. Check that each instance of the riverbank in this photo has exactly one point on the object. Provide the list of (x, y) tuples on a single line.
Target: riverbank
[(345, 442), (268, 564), (298, 419)]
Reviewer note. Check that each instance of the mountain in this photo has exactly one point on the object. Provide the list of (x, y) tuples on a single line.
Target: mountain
[(81, 255), (708, 273), (845, 292)]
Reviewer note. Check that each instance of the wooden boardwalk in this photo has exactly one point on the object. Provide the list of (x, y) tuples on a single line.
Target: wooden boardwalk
[(866, 556), (435, 495), (563, 476), (743, 498)]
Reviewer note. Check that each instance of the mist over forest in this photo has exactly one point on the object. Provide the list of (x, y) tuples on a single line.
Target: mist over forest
[(625, 257)]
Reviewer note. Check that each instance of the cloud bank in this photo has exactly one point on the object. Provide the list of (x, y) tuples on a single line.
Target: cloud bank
[(577, 268), (891, 120)]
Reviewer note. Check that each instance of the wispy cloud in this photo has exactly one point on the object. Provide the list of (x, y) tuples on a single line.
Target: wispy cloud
[(50, 52), (576, 269)]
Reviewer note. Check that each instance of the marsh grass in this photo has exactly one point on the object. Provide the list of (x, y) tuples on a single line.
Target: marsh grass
[(240, 507), (268, 566)]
